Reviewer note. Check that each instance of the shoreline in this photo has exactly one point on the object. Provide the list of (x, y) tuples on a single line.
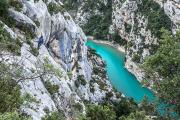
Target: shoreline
[(136, 71), (118, 47)]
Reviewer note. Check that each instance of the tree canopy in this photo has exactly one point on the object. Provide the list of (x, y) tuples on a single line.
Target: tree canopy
[(163, 68)]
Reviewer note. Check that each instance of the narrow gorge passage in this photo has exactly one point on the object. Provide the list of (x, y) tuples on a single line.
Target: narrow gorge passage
[(119, 76), (122, 79)]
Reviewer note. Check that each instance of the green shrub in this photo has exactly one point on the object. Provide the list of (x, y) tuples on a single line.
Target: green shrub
[(13, 116), (52, 89), (4, 15), (3, 7), (28, 98), (28, 31), (81, 80), (98, 25), (10, 99), (49, 68), (101, 84), (136, 58), (157, 18), (96, 70), (166, 63), (98, 112), (71, 4), (7, 43), (127, 27), (136, 116), (54, 116), (9, 21), (129, 44), (78, 106), (53, 8), (16, 4), (34, 51), (109, 95), (37, 23), (118, 39)]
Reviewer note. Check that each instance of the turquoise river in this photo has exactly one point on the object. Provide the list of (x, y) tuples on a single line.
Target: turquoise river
[(118, 75), (122, 79)]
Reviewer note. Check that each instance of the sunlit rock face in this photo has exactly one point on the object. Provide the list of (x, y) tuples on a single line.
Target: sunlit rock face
[(64, 50)]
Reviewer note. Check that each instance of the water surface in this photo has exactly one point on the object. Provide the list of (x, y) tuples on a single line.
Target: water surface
[(119, 76)]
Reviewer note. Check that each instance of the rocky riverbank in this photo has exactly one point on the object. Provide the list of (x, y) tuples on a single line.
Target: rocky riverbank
[(111, 43), (129, 64)]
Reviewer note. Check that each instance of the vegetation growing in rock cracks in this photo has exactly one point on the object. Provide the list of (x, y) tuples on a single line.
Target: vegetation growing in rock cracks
[(11, 74), (7, 43), (54, 8), (8, 20), (52, 89), (54, 116), (4, 6)]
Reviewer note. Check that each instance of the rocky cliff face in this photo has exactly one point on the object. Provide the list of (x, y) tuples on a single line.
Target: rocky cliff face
[(135, 22), (133, 25), (66, 76), (63, 54)]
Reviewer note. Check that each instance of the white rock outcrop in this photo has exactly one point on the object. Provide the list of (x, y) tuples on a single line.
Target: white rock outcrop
[(65, 51)]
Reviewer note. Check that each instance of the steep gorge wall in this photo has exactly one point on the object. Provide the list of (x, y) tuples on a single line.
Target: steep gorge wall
[(63, 52), (141, 40), (138, 23)]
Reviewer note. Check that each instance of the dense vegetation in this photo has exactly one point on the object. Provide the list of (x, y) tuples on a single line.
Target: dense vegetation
[(80, 81), (54, 116), (156, 16), (98, 25), (52, 89), (125, 109), (7, 43), (71, 4), (8, 20), (118, 39), (4, 5), (53, 8), (165, 65), (10, 95)]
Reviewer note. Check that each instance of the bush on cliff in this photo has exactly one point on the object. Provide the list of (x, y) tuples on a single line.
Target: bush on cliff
[(165, 64)]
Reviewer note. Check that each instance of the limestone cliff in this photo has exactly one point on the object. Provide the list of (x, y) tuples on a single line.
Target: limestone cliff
[(61, 60), (135, 21), (62, 75)]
